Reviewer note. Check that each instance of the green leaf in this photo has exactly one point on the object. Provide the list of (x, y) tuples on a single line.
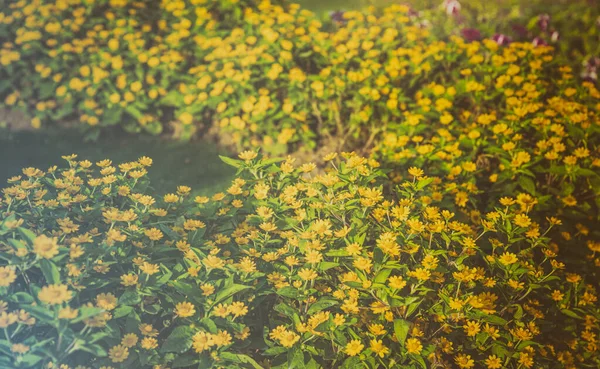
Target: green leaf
[(326, 265), (229, 291), (401, 328), (130, 297), (424, 183), (96, 350), (180, 340), (21, 298), (571, 313), (337, 253), (30, 360), (184, 361), (382, 276), (29, 236), (133, 111), (164, 278), (122, 311), (288, 291), (233, 162), (321, 305), (519, 313), (86, 312), (351, 363), (209, 324), (419, 359), (274, 351), (240, 359), (285, 310), (39, 312), (295, 358), (154, 128), (50, 271), (527, 184)]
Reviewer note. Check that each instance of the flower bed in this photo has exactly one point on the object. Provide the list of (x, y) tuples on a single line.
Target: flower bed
[(286, 268)]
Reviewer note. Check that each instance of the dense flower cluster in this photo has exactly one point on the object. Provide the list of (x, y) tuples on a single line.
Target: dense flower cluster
[(503, 128), (255, 73), (288, 267)]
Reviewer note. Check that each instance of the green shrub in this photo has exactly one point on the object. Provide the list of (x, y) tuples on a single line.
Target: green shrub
[(287, 267)]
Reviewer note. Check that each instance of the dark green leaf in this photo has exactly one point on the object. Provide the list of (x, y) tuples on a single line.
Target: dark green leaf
[(401, 328), (180, 340), (50, 271)]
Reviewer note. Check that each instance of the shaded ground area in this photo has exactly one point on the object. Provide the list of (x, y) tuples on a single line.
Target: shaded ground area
[(196, 165)]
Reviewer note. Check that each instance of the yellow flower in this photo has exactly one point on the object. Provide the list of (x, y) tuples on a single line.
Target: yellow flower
[(378, 348), (415, 172), (202, 341), (522, 220), (129, 340), (170, 198), (472, 328), (354, 348), (7, 276), (154, 234), (421, 274), (45, 247), (222, 338), (238, 309), (396, 282), (493, 362), (7, 319), (55, 294), (148, 330), (377, 329), (464, 361), (67, 313), (106, 301), (149, 343), (185, 309), (118, 353), (248, 155), (508, 258), (213, 262), (129, 280), (149, 268), (288, 338), (307, 274), (221, 311), (19, 348), (413, 346), (207, 289)]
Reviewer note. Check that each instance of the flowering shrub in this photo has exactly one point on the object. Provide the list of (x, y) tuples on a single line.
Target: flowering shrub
[(255, 73), (287, 267), (93, 270), (504, 128)]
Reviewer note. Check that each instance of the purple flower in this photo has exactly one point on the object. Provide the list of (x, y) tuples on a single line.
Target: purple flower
[(519, 30), (501, 39), (544, 21), (538, 41), (337, 16), (452, 7), (590, 71), (471, 34), (592, 62)]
